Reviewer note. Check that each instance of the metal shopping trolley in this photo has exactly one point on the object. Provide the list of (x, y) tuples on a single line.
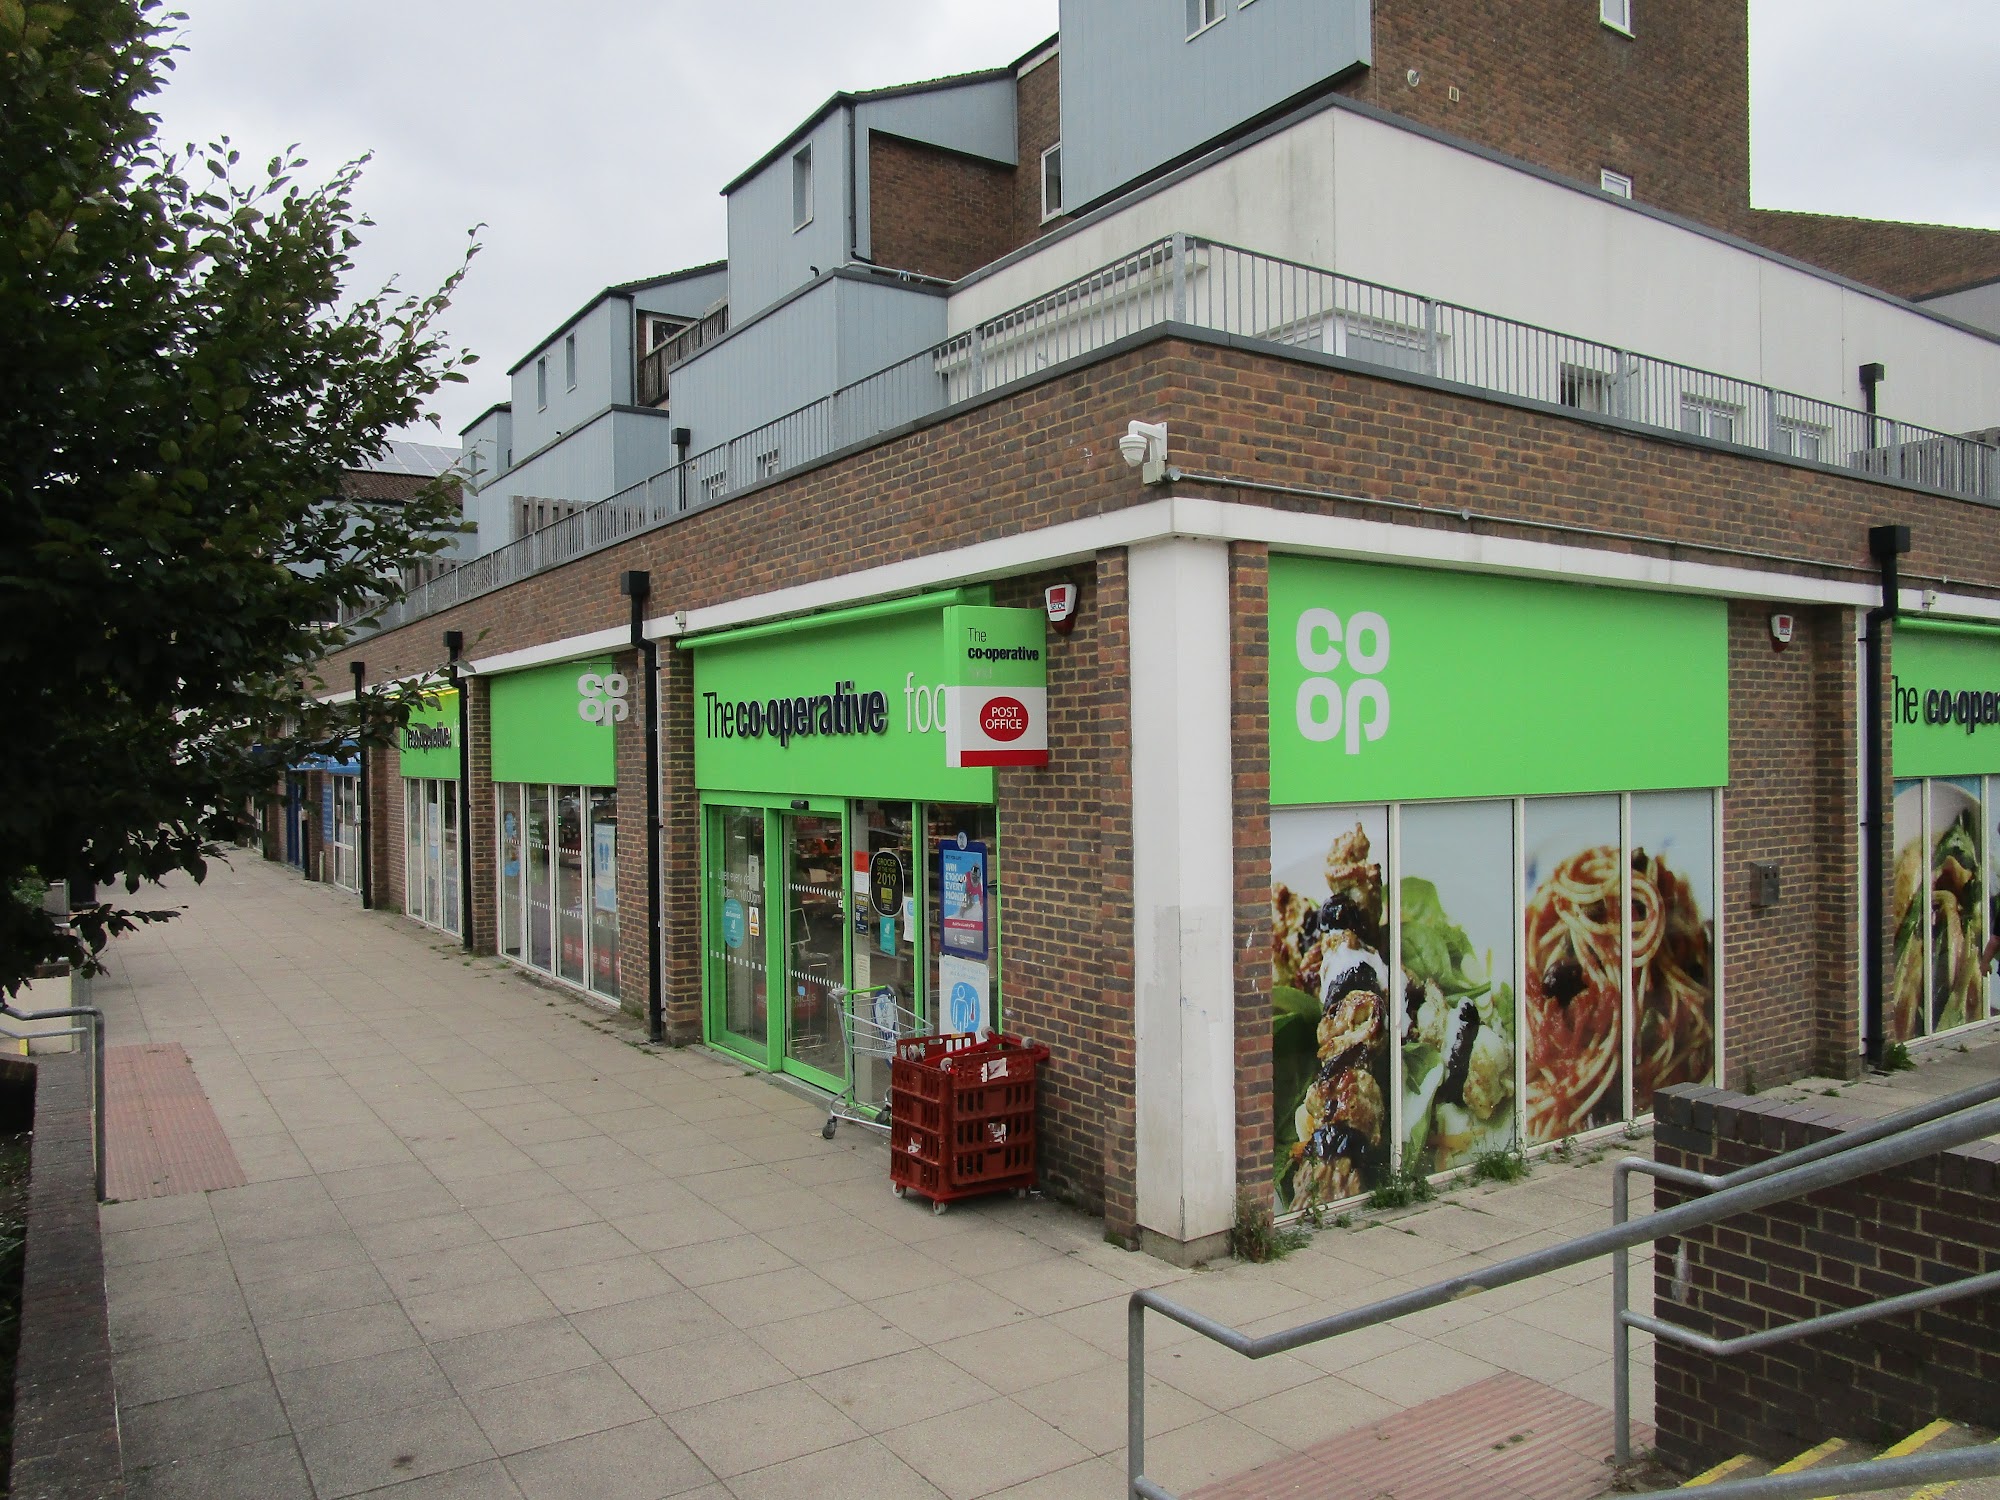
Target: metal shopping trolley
[(872, 1021)]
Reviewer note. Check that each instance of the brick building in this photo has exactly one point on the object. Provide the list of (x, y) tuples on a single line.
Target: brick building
[(1460, 731)]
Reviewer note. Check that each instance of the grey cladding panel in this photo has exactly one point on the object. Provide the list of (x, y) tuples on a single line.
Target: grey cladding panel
[(1138, 91), (768, 255)]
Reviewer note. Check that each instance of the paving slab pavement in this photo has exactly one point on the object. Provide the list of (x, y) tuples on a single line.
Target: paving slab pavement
[(490, 1244)]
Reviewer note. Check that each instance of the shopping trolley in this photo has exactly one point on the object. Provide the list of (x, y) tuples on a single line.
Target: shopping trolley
[(872, 1021)]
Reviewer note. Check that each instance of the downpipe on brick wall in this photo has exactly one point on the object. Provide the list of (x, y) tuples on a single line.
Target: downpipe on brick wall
[(454, 645), (360, 671), (636, 585), (1885, 544)]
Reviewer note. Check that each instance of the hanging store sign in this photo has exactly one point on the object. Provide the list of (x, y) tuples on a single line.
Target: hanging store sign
[(1944, 700), (553, 725), (1392, 683), (429, 741), (996, 686)]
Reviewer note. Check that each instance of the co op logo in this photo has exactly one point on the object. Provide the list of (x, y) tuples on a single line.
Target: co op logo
[(1325, 709)]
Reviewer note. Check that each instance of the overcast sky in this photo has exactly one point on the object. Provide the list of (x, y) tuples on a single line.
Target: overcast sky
[(590, 137)]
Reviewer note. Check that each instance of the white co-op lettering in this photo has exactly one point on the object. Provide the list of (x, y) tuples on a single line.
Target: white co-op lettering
[(602, 696), (1323, 707)]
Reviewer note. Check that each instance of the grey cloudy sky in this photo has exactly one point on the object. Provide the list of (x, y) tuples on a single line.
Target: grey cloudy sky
[(590, 137)]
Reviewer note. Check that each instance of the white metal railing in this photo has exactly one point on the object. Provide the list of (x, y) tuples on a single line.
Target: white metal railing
[(1206, 284)]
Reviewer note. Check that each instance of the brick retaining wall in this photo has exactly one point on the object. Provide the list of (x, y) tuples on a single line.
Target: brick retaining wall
[(1930, 1222), (65, 1409)]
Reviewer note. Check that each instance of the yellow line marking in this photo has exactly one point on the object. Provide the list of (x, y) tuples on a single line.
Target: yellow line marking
[(1933, 1491), (1811, 1456), (1721, 1471), (1922, 1438)]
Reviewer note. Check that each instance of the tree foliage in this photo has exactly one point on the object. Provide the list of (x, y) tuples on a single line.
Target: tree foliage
[(184, 376)]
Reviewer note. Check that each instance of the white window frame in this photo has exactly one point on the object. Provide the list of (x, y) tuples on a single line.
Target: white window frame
[(1203, 15), (569, 359), (715, 486), (542, 383), (1617, 14), (1794, 433), (768, 463), (1706, 412), (802, 187), (1050, 209), (1615, 183)]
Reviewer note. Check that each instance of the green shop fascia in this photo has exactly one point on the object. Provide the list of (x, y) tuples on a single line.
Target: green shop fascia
[(1944, 706), (431, 759), (846, 869), (1495, 854), (555, 783)]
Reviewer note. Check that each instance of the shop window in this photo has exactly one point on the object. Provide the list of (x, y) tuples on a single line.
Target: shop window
[(558, 882), (1943, 893), (962, 884), (1672, 864), (430, 853), (510, 874), (604, 892), (1573, 999)]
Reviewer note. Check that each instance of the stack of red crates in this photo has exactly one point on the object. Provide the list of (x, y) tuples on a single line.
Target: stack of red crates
[(962, 1115)]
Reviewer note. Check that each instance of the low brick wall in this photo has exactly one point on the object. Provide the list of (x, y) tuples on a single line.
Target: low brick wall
[(1933, 1221), (65, 1409)]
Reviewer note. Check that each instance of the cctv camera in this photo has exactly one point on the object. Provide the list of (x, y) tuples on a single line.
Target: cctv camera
[(1144, 447), (1133, 446)]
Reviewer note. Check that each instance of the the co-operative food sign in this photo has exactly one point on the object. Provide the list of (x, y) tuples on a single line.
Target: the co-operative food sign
[(996, 687)]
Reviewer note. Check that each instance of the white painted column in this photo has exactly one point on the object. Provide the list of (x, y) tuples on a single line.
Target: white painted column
[(1182, 884)]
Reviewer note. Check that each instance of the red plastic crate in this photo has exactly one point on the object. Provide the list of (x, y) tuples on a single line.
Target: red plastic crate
[(962, 1115)]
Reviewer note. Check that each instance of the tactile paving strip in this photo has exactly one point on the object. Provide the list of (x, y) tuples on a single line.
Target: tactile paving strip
[(161, 1135)]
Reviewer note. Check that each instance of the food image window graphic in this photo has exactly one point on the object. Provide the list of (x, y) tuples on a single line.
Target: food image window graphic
[(1945, 897), (1507, 1017)]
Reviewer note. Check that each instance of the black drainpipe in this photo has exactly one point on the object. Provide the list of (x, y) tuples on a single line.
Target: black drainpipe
[(636, 585), (1872, 375), (1885, 544), (360, 671), (683, 440), (454, 645)]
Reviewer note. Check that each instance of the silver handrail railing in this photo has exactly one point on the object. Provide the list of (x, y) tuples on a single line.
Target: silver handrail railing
[(1790, 1180), (96, 1032), (1623, 1319)]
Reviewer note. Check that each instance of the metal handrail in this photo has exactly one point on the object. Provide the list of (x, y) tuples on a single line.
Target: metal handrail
[(1623, 1319), (1790, 1181), (96, 1028)]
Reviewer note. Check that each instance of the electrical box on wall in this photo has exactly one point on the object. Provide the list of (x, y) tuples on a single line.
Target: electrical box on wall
[(1763, 885)]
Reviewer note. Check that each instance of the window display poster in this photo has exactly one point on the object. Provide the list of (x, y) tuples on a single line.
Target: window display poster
[(1574, 1005), (1331, 1013), (962, 874), (604, 866), (963, 990), (1673, 941)]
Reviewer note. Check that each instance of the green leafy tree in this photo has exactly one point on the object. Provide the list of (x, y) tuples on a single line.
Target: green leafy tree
[(184, 376)]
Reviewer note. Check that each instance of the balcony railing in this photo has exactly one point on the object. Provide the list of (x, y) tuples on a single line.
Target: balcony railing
[(662, 357), (1187, 280)]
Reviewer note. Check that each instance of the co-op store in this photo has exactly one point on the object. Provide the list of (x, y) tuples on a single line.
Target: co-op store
[(1490, 861)]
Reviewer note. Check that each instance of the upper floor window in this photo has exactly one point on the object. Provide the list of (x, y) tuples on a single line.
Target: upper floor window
[(1709, 419), (1617, 14), (1202, 14), (1615, 182), (1586, 389), (1798, 439), (569, 361), (802, 188), (1052, 181), (542, 383)]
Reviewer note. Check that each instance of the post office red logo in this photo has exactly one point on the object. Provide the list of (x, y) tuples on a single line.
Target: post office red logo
[(1004, 719)]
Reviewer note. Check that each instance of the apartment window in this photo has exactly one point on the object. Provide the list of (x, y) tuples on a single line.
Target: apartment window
[(1709, 419), (1800, 440), (1586, 389), (714, 486), (1615, 182), (1393, 344), (569, 361), (1202, 14), (1052, 181), (802, 188), (542, 384), (1617, 14), (767, 463)]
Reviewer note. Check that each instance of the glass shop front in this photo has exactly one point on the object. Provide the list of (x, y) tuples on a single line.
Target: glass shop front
[(1945, 884), (1495, 852), (844, 864), (556, 821), (431, 762)]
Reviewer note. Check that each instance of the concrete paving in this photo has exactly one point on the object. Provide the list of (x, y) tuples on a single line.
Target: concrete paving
[(491, 1246)]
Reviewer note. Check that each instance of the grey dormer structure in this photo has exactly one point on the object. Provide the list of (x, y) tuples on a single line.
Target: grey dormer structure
[(804, 207), (1147, 81)]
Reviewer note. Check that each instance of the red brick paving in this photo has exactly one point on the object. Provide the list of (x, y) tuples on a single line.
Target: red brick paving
[(161, 1135), (1506, 1438)]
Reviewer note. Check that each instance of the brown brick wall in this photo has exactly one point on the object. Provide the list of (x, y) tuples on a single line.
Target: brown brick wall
[(934, 211), (629, 739), (386, 829), (1037, 126), (680, 851), (1669, 107), (1250, 732), (1931, 1221)]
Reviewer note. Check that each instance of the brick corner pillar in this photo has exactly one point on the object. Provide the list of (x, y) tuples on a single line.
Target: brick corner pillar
[(475, 764), (385, 828), (317, 855), (1250, 775), (1110, 605), (1836, 752), (629, 742), (680, 850)]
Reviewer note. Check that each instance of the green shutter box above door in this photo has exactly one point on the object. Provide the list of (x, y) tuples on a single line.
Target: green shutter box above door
[(553, 724)]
